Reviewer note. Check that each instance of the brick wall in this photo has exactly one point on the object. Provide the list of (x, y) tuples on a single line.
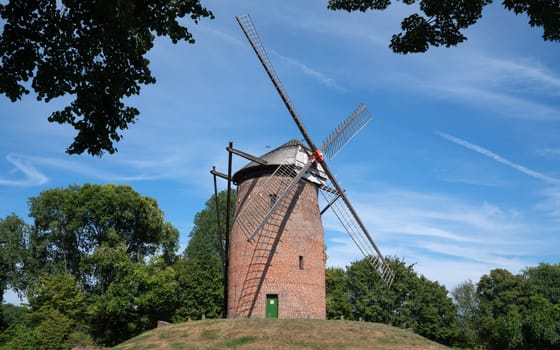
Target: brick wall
[(300, 287)]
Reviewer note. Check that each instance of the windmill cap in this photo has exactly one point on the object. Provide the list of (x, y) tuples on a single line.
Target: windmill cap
[(293, 152)]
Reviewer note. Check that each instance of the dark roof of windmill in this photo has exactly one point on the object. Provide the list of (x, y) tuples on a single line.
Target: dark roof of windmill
[(286, 154)]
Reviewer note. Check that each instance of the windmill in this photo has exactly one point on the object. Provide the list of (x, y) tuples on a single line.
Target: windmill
[(276, 247)]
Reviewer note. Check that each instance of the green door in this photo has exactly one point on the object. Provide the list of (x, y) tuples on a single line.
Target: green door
[(272, 306)]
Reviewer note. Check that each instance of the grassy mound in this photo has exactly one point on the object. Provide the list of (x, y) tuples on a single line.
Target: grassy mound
[(278, 334)]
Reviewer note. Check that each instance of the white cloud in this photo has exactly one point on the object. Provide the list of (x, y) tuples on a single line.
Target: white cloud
[(226, 37), (549, 153), (119, 168), (313, 73), (520, 88), (31, 176), (450, 239), (532, 74), (551, 204)]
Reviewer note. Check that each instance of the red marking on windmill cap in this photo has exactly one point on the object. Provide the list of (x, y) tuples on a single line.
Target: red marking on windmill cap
[(293, 152)]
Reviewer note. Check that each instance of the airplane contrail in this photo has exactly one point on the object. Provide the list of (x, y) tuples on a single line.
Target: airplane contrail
[(499, 158)]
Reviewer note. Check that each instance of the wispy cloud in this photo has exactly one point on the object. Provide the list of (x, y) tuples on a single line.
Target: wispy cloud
[(129, 170), (549, 153), (504, 103), (524, 72), (499, 159), (551, 204), (313, 73), (450, 239), (31, 176), (224, 36), (517, 88)]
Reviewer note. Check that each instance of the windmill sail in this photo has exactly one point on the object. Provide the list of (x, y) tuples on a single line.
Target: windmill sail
[(254, 211), (358, 233), (251, 33), (346, 131), (344, 210)]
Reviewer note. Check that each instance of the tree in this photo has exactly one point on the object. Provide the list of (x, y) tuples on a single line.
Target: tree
[(506, 311), (370, 300), (337, 294), (541, 286), (465, 297), (15, 325), (540, 323), (205, 236), (200, 288), (443, 22), (18, 336), (94, 51), (57, 308), (412, 301), (140, 294), (116, 247), (500, 306), (202, 265), (432, 311), (13, 252), (75, 223)]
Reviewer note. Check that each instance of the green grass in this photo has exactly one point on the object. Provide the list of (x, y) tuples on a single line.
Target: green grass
[(239, 341), (278, 334)]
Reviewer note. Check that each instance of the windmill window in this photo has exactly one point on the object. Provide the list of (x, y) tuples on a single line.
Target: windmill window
[(301, 262), (273, 198)]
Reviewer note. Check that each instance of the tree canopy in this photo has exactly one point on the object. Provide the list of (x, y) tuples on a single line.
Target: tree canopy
[(506, 311), (201, 267), (412, 302), (442, 23), (94, 51), (80, 229), (97, 262), (98, 265)]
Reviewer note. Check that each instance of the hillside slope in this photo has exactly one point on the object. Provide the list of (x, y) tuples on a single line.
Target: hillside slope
[(278, 334)]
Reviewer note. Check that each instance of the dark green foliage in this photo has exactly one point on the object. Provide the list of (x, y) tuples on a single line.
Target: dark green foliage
[(465, 297), (433, 312), (94, 51), (14, 233), (13, 253), (139, 295), (74, 226), (338, 296), (56, 308), (53, 330), (542, 13), (540, 320), (99, 260), (201, 268), (543, 280), (13, 314), (541, 317), (507, 311), (58, 293), (502, 311), (412, 301), (201, 288), (204, 238), (443, 22), (499, 295), (18, 337)]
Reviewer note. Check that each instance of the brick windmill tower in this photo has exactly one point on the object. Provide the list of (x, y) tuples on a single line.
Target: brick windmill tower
[(280, 270), (276, 258)]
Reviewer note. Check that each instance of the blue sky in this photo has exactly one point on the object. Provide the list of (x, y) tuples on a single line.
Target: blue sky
[(458, 171)]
